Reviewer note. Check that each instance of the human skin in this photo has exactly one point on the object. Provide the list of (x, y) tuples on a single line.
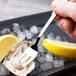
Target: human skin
[(66, 14)]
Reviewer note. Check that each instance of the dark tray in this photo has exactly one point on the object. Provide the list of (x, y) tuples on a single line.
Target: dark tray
[(40, 20)]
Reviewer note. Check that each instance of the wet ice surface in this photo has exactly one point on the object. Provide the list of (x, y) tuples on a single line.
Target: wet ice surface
[(49, 58), (45, 59), (28, 34), (34, 29), (16, 27), (46, 66), (20, 34), (5, 31), (51, 36), (3, 72), (58, 63)]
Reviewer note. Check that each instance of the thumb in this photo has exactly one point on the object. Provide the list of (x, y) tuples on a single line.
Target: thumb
[(65, 8)]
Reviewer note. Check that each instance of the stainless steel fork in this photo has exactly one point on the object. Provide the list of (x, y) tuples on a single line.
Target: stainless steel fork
[(31, 52)]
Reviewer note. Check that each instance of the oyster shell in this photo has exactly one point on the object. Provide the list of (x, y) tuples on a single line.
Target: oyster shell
[(12, 63)]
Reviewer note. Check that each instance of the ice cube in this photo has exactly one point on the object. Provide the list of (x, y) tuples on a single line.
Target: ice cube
[(42, 38), (50, 36), (46, 66), (39, 29), (58, 63), (3, 71), (33, 29), (16, 27), (5, 31), (34, 40), (41, 49), (41, 59), (48, 58), (20, 34), (28, 34), (58, 38)]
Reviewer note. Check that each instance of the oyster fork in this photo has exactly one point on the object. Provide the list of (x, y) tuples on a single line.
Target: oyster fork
[(31, 52)]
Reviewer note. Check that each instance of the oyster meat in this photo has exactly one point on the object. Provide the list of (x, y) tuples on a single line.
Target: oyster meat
[(14, 65)]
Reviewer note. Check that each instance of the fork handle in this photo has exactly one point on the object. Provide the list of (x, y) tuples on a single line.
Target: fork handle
[(43, 30), (47, 24)]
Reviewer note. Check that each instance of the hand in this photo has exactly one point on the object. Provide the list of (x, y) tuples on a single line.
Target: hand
[(66, 13)]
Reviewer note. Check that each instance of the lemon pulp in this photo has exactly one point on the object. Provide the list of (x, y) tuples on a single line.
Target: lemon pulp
[(60, 48), (7, 42)]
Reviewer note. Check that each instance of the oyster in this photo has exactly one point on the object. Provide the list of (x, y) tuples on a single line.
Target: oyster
[(13, 64)]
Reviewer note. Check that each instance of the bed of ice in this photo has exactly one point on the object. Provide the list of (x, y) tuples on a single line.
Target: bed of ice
[(45, 59)]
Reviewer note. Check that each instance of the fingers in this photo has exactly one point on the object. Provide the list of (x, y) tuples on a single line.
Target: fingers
[(65, 8), (72, 33), (66, 24), (66, 13), (70, 26)]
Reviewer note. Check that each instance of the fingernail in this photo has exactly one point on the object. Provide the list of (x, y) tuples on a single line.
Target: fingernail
[(64, 27)]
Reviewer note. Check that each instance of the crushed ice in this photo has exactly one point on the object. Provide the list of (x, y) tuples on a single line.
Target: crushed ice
[(45, 59)]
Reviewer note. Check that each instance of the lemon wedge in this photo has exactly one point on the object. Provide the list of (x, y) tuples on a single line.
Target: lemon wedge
[(59, 48), (7, 42)]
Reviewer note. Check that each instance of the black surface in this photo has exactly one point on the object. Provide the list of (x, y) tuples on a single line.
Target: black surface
[(40, 20), (66, 73)]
